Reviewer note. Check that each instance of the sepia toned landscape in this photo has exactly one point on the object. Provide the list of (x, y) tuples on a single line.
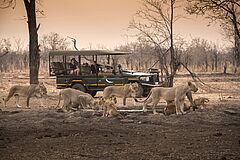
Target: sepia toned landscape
[(143, 50), (47, 133)]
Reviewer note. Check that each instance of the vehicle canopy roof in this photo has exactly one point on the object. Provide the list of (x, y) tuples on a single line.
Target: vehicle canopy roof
[(86, 53)]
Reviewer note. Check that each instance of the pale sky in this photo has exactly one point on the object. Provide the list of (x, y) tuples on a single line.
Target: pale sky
[(95, 22)]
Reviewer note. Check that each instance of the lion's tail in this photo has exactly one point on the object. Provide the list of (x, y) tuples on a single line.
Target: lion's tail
[(142, 101)]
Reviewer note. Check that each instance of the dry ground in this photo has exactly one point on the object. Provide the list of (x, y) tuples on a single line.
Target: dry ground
[(46, 133)]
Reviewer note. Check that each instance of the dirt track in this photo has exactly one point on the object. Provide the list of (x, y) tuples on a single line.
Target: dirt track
[(45, 133)]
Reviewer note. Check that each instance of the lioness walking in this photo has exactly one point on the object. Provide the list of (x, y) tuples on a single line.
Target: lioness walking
[(126, 91), (176, 94), (33, 90)]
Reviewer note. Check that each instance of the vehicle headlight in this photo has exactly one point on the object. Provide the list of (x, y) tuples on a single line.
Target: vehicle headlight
[(146, 79)]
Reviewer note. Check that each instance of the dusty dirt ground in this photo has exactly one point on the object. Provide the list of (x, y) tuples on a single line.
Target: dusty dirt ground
[(46, 133)]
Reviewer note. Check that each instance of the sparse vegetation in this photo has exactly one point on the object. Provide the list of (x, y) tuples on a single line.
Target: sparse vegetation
[(209, 132)]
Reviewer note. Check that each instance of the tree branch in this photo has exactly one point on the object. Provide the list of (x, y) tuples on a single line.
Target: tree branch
[(6, 52), (75, 46), (38, 26)]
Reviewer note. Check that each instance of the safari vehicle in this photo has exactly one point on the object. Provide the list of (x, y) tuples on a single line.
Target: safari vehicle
[(86, 80)]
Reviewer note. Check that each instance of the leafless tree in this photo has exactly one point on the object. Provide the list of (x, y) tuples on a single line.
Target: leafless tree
[(5, 46), (5, 52), (155, 25), (227, 12), (34, 57), (18, 45), (54, 41), (50, 42), (200, 52)]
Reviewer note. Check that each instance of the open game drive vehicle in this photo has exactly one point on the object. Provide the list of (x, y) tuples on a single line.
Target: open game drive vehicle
[(93, 70)]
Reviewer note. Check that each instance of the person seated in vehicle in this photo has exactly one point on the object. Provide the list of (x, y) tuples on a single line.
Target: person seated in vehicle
[(85, 69), (108, 69), (94, 69), (73, 66), (85, 64), (120, 69)]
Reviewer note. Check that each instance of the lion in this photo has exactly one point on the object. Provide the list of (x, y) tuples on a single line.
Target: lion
[(171, 108), (74, 99), (126, 91), (109, 108), (176, 94), (102, 100), (201, 101), (32, 90)]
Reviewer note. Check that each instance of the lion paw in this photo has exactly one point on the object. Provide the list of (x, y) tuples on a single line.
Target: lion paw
[(178, 113), (184, 113)]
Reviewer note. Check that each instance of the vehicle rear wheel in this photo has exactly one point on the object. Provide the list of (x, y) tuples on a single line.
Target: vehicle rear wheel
[(140, 91), (79, 87), (93, 93), (146, 91)]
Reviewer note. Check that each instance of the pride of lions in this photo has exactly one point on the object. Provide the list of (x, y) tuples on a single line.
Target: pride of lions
[(74, 99)]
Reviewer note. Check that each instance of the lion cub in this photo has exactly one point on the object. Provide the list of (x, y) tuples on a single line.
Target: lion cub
[(171, 108), (109, 107), (201, 101)]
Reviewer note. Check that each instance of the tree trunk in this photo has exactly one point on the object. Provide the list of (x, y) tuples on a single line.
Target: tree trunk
[(160, 60), (206, 63), (236, 37), (216, 63), (34, 57), (173, 57), (225, 68), (237, 51)]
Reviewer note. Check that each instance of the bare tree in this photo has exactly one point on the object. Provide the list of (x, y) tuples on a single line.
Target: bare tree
[(227, 12), (18, 45), (54, 41), (5, 52), (155, 26), (34, 57), (5, 46)]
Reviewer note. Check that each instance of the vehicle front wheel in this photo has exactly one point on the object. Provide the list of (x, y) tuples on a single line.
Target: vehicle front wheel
[(79, 87)]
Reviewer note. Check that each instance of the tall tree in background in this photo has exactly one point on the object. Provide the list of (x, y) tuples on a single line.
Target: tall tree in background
[(227, 12), (154, 23), (34, 57)]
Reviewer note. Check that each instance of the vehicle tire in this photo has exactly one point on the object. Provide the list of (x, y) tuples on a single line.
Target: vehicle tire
[(79, 87), (146, 91), (93, 93), (140, 91)]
